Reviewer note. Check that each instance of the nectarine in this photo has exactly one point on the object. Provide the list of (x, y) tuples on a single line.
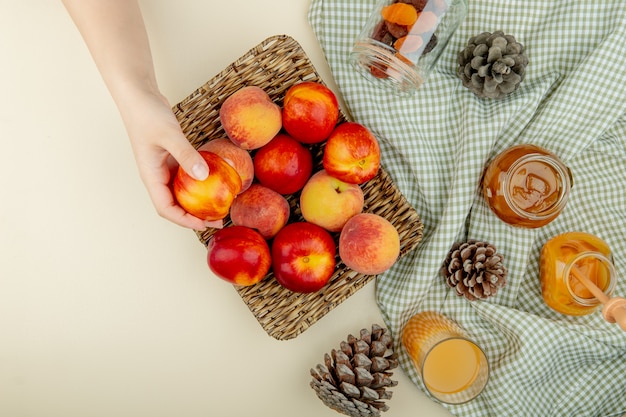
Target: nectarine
[(284, 164), (211, 198), (303, 257), (369, 244), (239, 255), (352, 153), (237, 157), (310, 111)]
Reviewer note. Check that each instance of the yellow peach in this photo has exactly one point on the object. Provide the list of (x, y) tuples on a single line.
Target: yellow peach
[(250, 118), (369, 244), (330, 202), (262, 209)]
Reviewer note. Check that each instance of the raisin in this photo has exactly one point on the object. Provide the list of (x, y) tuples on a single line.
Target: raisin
[(418, 4), (396, 30)]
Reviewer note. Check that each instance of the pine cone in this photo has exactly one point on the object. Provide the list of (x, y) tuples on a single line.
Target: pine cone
[(353, 379), (492, 65), (474, 269)]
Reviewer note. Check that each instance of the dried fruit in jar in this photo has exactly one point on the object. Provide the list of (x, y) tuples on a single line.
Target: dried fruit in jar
[(418, 4), (381, 34), (400, 14), (378, 72), (396, 30), (408, 44), (426, 22)]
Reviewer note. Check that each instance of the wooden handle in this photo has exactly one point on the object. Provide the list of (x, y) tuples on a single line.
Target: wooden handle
[(593, 289), (614, 311)]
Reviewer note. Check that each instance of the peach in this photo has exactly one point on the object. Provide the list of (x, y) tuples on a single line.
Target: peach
[(369, 244), (262, 209), (250, 118), (310, 111), (329, 202), (352, 153), (211, 198), (237, 157)]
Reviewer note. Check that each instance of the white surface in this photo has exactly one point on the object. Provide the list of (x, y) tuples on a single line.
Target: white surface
[(105, 308)]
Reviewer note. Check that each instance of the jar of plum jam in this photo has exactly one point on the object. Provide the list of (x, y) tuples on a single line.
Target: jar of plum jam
[(527, 186), (402, 41), (566, 256)]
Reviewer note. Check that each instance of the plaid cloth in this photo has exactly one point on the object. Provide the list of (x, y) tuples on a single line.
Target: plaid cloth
[(435, 146)]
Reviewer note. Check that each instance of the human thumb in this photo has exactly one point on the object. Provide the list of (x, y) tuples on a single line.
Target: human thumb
[(191, 161)]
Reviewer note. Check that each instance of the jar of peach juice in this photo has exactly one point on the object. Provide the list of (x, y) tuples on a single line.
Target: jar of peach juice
[(568, 256), (527, 186)]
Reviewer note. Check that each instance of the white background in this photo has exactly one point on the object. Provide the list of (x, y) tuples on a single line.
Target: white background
[(105, 308)]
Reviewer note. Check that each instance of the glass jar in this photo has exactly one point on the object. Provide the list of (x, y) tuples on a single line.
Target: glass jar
[(527, 186), (403, 40), (563, 258), (452, 366)]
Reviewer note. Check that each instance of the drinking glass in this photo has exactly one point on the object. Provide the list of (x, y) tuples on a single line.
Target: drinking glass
[(453, 367)]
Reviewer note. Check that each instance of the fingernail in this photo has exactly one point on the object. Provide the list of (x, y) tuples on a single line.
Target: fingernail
[(200, 171)]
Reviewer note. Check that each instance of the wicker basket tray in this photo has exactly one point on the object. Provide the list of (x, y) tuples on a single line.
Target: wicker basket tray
[(274, 65)]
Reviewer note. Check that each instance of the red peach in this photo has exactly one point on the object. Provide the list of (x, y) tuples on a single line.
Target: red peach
[(284, 164), (329, 202), (303, 257), (237, 157), (250, 118), (352, 153), (310, 111), (369, 244), (211, 198), (262, 209), (239, 255)]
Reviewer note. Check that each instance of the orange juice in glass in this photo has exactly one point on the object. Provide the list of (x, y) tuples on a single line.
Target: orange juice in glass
[(453, 368)]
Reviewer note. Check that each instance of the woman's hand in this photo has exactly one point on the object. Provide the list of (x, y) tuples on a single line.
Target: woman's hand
[(160, 146), (116, 36)]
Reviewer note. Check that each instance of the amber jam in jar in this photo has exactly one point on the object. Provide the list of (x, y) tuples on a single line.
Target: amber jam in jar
[(563, 258), (527, 186)]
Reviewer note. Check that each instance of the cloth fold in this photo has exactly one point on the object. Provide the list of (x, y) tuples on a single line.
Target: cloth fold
[(435, 146)]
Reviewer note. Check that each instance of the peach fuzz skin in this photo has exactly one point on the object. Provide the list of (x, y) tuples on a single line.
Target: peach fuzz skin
[(310, 112), (211, 198), (329, 202), (262, 209), (250, 118), (237, 157), (369, 244)]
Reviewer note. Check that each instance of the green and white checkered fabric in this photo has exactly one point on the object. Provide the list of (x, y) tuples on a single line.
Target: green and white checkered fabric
[(435, 146)]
